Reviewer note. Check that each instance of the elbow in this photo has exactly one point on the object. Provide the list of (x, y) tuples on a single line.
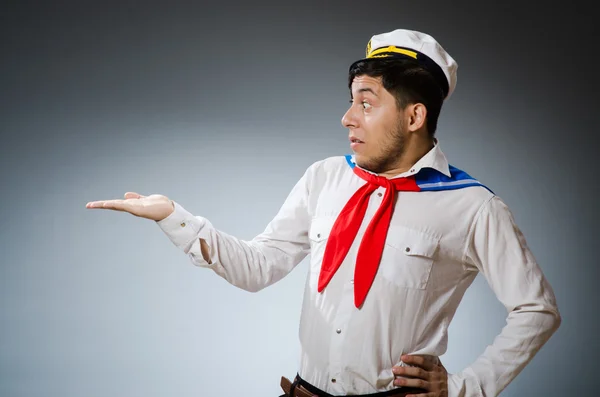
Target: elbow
[(551, 321), (557, 320), (544, 317), (251, 288), (247, 283)]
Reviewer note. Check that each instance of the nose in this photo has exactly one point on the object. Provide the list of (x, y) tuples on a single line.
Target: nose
[(349, 120)]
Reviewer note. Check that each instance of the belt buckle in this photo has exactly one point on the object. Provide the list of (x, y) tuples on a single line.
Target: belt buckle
[(299, 391)]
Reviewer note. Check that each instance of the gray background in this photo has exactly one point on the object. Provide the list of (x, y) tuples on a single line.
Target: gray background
[(222, 106)]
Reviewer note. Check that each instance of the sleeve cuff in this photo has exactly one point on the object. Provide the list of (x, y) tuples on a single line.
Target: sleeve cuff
[(464, 384), (181, 227)]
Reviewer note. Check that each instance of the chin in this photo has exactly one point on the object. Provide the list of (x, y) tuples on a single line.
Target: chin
[(368, 163), (359, 159), (362, 161)]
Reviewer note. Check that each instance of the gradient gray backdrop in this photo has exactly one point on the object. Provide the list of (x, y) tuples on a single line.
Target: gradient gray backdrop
[(222, 106)]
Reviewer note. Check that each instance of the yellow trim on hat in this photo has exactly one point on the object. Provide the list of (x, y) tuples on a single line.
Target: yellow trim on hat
[(375, 53)]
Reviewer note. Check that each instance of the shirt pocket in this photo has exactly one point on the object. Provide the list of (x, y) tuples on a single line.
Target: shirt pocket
[(318, 235), (408, 257)]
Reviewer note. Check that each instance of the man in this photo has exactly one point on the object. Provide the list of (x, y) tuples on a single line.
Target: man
[(395, 234)]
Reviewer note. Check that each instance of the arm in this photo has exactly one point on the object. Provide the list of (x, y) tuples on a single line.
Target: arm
[(497, 248), (250, 265)]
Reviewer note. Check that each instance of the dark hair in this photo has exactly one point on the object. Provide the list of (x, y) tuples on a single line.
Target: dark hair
[(408, 81)]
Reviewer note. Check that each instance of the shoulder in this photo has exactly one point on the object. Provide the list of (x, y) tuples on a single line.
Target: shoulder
[(329, 171), (330, 163), (480, 194), (329, 166), (458, 180)]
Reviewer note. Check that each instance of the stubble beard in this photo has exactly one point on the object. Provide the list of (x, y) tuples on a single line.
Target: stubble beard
[(392, 150)]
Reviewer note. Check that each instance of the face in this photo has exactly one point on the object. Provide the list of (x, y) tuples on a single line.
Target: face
[(376, 129)]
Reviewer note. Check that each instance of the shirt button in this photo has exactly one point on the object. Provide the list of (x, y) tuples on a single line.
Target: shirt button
[(333, 380), (407, 249), (318, 235), (379, 194), (413, 170), (339, 331), (182, 224)]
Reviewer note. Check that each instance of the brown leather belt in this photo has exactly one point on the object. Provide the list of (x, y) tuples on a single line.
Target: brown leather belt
[(301, 391)]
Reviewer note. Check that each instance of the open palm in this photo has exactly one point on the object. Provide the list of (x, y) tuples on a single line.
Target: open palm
[(156, 206)]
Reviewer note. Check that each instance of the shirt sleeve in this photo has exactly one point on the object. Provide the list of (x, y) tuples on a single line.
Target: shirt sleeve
[(497, 248), (250, 265)]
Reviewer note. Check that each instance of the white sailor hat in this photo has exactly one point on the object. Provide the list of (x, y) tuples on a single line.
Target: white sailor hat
[(402, 43)]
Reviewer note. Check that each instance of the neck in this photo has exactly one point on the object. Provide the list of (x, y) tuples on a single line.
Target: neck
[(414, 150)]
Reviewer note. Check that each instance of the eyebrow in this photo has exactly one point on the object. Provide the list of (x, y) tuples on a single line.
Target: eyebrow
[(361, 90)]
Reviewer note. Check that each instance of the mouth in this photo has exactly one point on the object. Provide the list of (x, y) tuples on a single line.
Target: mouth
[(356, 144)]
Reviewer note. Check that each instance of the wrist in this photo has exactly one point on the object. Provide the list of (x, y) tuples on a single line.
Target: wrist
[(168, 213)]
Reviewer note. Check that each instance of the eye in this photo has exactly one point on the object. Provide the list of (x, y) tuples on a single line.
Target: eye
[(366, 105)]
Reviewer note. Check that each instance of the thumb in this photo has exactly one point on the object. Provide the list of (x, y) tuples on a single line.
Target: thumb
[(133, 195)]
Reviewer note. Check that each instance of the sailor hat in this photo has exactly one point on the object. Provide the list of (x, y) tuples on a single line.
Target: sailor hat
[(402, 43)]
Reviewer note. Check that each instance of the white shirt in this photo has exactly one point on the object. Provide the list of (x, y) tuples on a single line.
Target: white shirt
[(437, 243)]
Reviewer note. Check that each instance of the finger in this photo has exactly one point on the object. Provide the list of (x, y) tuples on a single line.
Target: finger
[(413, 382), (426, 362), (133, 195), (412, 371), (117, 205), (95, 204), (415, 372)]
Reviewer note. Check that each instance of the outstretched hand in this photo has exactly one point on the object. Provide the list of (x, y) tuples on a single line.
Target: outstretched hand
[(427, 372), (155, 207)]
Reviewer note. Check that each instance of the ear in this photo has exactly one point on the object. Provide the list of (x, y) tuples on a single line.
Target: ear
[(417, 117)]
